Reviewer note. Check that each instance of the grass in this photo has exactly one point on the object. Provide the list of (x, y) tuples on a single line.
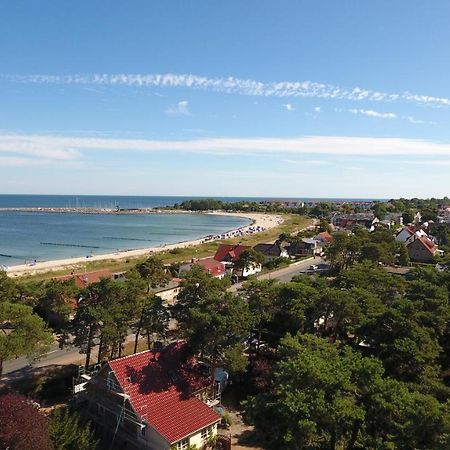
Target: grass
[(292, 224)]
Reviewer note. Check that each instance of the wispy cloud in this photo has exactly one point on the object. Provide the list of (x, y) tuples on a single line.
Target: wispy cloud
[(415, 121), (69, 148), (289, 107), (21, 161), (233, 85), (317, 109), (311, 162), (180, 109), (372, 113), (432, 162)]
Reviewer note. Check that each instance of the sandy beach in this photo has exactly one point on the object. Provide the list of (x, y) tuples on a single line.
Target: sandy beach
[(259, 220)]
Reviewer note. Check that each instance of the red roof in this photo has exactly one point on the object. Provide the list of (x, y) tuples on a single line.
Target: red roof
[(325, 236), (160, 386), (428, 244), (83, 280), (227, 252), (215, 268)]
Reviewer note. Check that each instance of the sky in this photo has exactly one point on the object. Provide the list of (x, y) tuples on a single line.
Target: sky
[(286, 98)]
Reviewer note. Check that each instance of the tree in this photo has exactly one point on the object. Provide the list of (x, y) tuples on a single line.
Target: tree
[(380, 210), (294, 309), (249, 259), (329, 397), (197, 285), (408, 217), (315, 399), (22, 426), (86, 324), (403, 255), (56, 303), (154, 319), (213, 320), (22, 333), (153, 271), (68, 432), (260, 295), (8, 288)]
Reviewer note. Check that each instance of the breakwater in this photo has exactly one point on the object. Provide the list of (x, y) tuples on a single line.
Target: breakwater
[(120, 211)]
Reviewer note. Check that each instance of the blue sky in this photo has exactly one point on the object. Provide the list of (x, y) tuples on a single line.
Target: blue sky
[(290, 98)]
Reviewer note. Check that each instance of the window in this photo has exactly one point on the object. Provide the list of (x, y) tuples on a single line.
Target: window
[(183, 445), (206, 433)]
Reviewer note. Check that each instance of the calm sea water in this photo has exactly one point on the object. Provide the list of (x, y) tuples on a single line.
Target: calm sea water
[(111, 201), (47, 236)]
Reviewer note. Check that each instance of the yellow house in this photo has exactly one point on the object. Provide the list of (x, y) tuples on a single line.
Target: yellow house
[(153, 400)]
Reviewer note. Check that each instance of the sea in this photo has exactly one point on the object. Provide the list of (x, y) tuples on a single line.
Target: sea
[(29, 236), (37, 236)]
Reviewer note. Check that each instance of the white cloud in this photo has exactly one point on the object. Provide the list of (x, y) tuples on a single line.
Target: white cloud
[(372, 113), (312, 162), (415, 121), (289, 107), (433, 162), (68, 148), (180, 109), (20, 161), (317, 109), (233, 85)]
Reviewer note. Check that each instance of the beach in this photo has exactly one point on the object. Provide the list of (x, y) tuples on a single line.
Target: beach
[(260, 222)]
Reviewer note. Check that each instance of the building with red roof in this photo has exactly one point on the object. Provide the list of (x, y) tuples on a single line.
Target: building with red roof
[(215, 268), (211, 266), (422, 249), (83, 280), (325, 238), (154, 400), (230, 252)]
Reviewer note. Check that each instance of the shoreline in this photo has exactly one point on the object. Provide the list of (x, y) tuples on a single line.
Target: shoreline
[(264, 221)]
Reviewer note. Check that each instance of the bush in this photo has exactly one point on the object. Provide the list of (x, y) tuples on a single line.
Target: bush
[(276, 263)]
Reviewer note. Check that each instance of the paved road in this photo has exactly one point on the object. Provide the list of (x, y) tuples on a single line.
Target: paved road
[(17, 367), (285, 274)]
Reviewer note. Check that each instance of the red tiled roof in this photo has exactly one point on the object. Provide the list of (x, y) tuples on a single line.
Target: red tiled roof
[(215, 268), (229, 252), (325, 236), (159, 384), (83, 280), (429, 245)]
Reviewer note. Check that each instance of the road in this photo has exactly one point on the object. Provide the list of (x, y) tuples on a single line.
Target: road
[(285, 274), (17, 367)]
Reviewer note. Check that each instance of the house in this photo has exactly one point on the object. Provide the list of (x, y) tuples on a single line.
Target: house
[(421, 249), (394, 219), (169, 292), (324, 238), (350, 221), (406, 234), (83, 280), (272, 251), (154, 400), (307, 246), (229, 255), (215, 268)]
